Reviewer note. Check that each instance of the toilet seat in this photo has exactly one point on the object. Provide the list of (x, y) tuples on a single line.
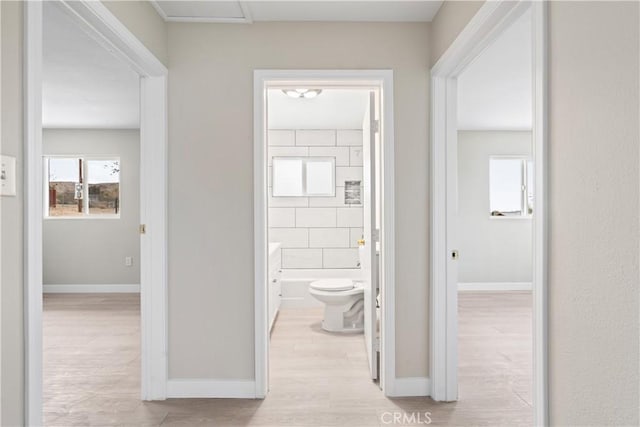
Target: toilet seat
[(332, 285)]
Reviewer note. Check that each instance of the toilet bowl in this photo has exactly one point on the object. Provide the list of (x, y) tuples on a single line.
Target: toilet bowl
[(343, 304)]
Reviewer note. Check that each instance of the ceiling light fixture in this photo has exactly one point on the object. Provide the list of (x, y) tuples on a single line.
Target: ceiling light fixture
[(302, 93)]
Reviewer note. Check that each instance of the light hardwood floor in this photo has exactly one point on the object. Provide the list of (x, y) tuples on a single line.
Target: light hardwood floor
[(92, 371)]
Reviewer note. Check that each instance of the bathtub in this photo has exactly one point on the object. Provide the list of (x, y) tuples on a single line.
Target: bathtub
[(295, 284)]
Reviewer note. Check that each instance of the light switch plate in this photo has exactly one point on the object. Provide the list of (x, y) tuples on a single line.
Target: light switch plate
[(8, 176)]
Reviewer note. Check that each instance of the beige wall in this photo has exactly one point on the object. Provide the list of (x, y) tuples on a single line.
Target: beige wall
[(593, 260), (452, 17), (94, 249), (593, 159), (144, 22), (12, 314), (211, 146)]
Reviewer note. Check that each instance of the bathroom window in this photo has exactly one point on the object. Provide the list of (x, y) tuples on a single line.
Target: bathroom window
[(510, 187), (81, 187), (304, 176)]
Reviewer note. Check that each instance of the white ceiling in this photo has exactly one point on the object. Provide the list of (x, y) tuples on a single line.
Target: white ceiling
[(327, 10), (495, 91), (332, 109), (84, 85)]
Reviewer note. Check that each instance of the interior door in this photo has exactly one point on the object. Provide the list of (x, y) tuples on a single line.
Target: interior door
[(368, 243)]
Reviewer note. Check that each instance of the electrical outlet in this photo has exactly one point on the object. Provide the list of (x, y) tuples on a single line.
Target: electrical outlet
[(128, 261)]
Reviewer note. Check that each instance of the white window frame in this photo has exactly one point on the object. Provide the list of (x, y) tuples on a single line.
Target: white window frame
[(85, 187), (524, 187), (304, 161)]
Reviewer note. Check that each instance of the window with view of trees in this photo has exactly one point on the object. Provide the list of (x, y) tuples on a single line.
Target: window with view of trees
[(80, 187)]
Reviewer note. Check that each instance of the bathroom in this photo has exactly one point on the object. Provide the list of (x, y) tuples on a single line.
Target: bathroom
[(321, 154)]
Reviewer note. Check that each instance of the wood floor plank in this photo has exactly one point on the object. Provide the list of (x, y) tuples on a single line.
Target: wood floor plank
[(92, 371)]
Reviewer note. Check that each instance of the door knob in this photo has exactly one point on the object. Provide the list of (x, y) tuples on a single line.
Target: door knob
[(361, 242)]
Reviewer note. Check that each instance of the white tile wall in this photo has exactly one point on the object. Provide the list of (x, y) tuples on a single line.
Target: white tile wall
[(286, 152), (340, 258), (282, 217), (349, 217), (301, 258), (355, 156), (336, 201), (290, 237), (356, 234), (348, 174), (329, 238), (316, 137), (349, 137), (317, 232), (281, 137), (287, 202), (340, 153), (315, 217)]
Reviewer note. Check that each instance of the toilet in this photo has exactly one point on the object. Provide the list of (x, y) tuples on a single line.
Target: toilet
[(343, 304)]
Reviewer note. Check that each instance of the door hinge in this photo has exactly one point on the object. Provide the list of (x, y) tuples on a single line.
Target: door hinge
[(376, 345), (375, 234), (376, 126), (143, 228)]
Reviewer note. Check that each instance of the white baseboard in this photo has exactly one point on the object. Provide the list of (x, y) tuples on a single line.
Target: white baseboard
[(494, 286), (410, 387), (90, 289), (193, 388)]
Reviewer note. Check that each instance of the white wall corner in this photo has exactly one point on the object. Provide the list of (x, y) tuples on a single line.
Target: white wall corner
[(411, 387), (209, 389)]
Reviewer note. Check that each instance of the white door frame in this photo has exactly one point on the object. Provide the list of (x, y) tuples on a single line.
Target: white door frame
[(490, 21), (382, 79), (105, 28)]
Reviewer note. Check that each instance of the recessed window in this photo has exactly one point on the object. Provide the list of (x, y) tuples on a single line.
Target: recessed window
[(304, 176), (82, 187), (510, 187)]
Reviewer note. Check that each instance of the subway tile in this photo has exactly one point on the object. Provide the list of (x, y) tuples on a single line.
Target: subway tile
[(287, 152), (281, 137), (329, 202), (349, 137), (329, 238), (301, 258), (287, 202), (340, 258), (356, 234), (349, 217), (315, 217), (290, 237), (355, 156), (316, 137), (340, 153), (348, 174), (282, 217)]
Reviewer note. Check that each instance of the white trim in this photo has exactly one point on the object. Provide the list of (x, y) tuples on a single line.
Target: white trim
[(540, 215), (490, 21), (90, 289), (210, 389), (382, 79), (95, 19), (33, 209), (411, 386), (494, 286)]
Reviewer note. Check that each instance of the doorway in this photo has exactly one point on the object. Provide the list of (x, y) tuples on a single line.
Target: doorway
[(378, 125), (487, 25), (96, 20)]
